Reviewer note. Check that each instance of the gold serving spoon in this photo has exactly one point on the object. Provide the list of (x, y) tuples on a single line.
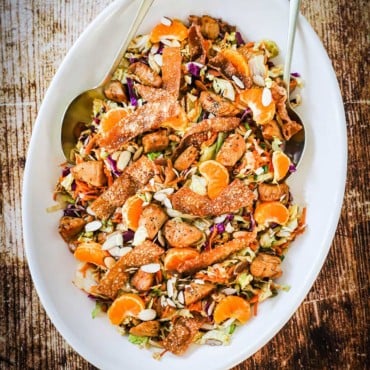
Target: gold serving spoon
[(294, 147), (79, 110)]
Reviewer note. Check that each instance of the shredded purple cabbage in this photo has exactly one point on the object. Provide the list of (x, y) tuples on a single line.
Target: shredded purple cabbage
[(133, 60), (73, 185), (131, 92), (113, 166), (96, 120), (194, 69), (239, 39), (229, 217), (73, 210), (160, 48), (128, 235), (295, 74), (292, 168), (245, 114), (220, 228), (66, 171)]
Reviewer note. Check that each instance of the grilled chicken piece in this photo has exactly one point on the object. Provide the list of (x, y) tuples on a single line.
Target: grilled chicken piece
[(217, 105), (133, 178), (91, 172), (142, 281), (145, 118), (70, 227), (145, 75), (181, 234), (231, 150), (146, 329), (289, 127), (152, 94), (266, 266), (196, 44), (231, 199), (171, 70), (209, 27), (156, 141), (195, 292), (182, 334), (215, 255), (141, 171), (271, 130), (186, 158), (270, 192), (116, 277), (116, 92), (152, 218)]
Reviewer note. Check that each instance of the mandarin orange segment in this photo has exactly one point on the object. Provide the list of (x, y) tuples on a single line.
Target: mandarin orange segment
[(232, 307), (281, 163), (176, 30), (131, 212), (91, 252), (237, 60), (216, 175), (267, 212), (124, 306), (176, 256), (252, 98), (111, 118), (178, 123)]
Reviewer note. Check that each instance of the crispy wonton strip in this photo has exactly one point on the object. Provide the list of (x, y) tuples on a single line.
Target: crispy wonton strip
[(135, 177), (171, 70), (145, 118), (218, 254), (116, 277), (235, 196)]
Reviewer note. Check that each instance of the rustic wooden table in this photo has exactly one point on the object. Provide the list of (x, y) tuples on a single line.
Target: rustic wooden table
[(330, 329)]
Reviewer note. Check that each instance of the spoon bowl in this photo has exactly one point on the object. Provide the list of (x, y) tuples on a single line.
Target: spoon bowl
[(294, 147), (78, 111)]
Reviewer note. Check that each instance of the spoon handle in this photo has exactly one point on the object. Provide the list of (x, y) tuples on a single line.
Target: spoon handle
[(140, 14), (293, 17)]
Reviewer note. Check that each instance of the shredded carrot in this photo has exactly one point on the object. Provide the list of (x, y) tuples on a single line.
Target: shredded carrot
[(255, 308), (196, 306), (211, 239), (117, 217), (90, 145), (78, 159)]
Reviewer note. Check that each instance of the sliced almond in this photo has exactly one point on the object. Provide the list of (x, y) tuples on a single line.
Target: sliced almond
[(147, 314), (93, 226), (123, 160), (151, 268)]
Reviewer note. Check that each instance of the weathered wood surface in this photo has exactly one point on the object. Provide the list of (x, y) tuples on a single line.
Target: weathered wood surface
[(330, 329)]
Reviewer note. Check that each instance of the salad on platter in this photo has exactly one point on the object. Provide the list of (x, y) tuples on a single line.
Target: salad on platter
[(174, 198)]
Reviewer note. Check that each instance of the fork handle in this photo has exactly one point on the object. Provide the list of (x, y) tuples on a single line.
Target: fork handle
[(140, 15), (293, 17)]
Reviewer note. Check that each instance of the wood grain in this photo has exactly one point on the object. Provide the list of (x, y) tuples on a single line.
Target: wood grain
[(330, 330)]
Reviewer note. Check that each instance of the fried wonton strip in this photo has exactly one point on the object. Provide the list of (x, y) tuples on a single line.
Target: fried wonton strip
[(182, 334), (145, 118), (171, 70), (218, 254), (136, 176), (235, 196), (116, 277), (151, 94)]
